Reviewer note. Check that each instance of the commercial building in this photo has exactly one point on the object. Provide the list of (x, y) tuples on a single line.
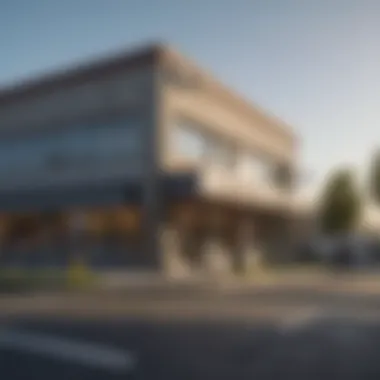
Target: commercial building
[(142, 161)]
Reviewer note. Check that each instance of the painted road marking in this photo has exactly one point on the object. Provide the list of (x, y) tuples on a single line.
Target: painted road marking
[(88, 354)]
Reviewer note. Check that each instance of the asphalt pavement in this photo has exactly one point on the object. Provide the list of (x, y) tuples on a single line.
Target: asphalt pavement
[(248, 335), (130, 349)]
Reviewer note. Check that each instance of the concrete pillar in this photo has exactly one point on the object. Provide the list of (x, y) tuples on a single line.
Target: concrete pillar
[(244, 243), (247, 255), (217, 259), (216, 255), (174, 263)]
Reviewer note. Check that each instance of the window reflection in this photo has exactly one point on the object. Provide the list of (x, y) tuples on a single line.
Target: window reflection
[(189, 141), (192, 141), (33, 240), (66, 152), (109, 237)]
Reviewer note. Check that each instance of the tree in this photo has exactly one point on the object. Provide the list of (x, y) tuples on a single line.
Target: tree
[(374, 177), (341, 204)]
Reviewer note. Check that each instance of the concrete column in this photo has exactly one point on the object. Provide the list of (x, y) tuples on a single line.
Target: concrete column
[(174, 263), (248, 254), (216, 255)]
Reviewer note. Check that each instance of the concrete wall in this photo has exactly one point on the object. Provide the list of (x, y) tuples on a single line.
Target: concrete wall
[(222, 112), (188, 92), (217, 110)]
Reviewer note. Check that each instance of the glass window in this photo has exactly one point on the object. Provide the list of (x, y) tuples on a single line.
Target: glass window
[(69, 151), (255, 168), (221, 153), (189, 141)]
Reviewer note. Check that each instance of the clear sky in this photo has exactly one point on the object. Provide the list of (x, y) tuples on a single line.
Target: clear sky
[(314, 63)]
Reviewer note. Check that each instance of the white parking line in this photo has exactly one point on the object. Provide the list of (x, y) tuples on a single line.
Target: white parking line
[(87, 354)]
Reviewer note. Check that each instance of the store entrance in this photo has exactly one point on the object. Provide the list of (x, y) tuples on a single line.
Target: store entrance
[(99, 238)]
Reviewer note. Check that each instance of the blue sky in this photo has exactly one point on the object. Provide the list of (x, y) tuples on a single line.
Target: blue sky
[(316, 64)]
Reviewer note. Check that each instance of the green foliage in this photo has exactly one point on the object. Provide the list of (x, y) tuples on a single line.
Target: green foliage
[(374, 180), (341, 204), (28, 280)]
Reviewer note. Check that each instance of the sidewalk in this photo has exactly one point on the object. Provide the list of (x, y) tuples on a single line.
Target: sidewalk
[(347, 282), (320, 279)]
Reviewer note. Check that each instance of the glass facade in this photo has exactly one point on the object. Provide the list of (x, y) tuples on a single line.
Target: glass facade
[(78, 154), (72, 154), (107, 238), (189, 141)]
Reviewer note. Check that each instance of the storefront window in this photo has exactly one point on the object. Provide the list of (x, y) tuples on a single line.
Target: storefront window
[(114, 237), (34, 240), (109, 237)]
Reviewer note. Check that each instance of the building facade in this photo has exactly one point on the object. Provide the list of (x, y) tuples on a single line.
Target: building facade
[(142, 161)]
